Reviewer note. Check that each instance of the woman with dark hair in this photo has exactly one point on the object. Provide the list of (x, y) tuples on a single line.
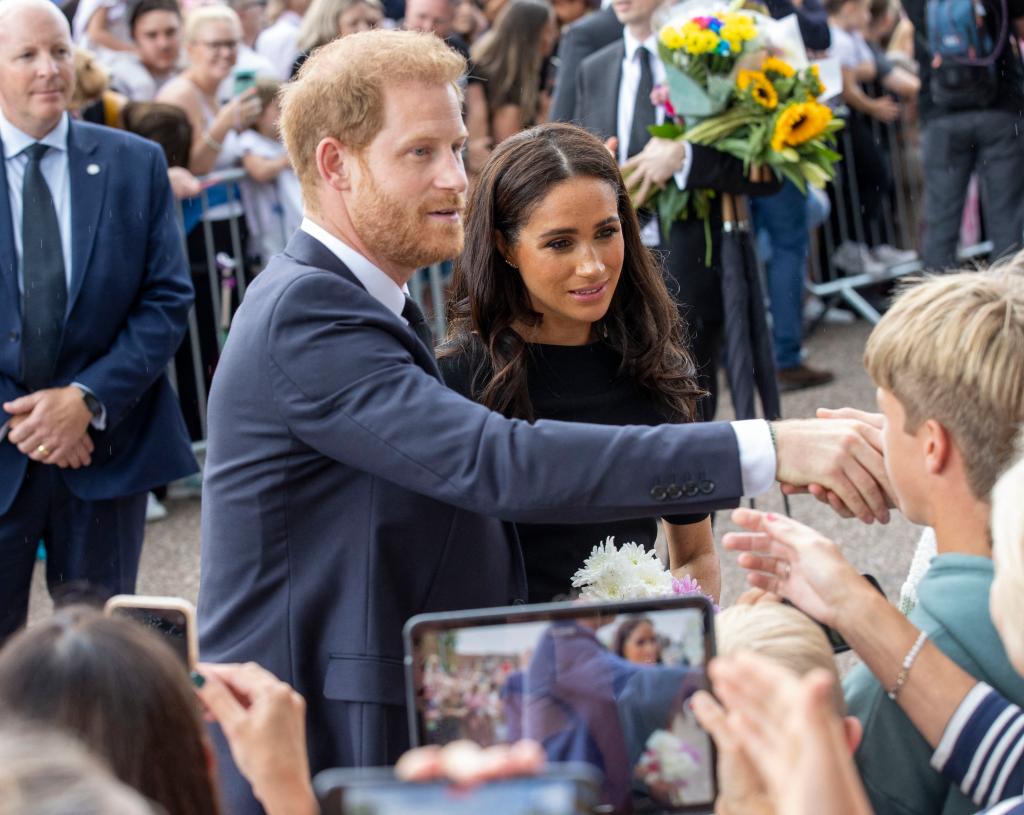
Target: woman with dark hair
[(507, 88), (124, 694), (637, 641), (558, 311)]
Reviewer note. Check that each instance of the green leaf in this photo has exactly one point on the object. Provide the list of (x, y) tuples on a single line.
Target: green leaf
[(669, 130)]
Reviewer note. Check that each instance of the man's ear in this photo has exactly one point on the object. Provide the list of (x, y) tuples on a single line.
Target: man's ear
[(854, 731), (334, 163)]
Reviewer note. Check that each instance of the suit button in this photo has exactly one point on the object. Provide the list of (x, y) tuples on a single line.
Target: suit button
[(658, 493), (13, 336), (673, 491), (690, 489), (707, 487)]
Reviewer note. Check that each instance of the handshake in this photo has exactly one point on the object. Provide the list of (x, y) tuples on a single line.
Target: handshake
[(838, 458)]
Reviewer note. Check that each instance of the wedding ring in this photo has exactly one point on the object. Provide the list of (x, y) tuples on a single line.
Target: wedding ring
[(43, 450)]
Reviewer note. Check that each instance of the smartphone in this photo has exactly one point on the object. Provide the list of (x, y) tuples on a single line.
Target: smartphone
[(243, 81), (563, 789), (171, 617), (835, 639)]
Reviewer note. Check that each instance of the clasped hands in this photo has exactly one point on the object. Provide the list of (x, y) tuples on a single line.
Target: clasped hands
[(52, 426)]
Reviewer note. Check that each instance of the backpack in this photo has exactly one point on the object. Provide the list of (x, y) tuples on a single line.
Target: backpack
[(964, 53)]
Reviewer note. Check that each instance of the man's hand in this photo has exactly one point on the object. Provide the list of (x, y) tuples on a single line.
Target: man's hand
[(50, 426), (264, 722), (466, 763), (653, 167), (885, 109), (842, 456)]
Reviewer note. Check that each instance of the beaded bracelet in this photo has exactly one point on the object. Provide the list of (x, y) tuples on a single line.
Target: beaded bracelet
[(775, 441), (211, 142), (908, 662)]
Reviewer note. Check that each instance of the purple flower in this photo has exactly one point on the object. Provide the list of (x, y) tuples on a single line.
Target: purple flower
[(687, 585)]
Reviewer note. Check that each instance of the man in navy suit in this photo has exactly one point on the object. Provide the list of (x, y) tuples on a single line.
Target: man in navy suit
[(346, 488), (95, 298)]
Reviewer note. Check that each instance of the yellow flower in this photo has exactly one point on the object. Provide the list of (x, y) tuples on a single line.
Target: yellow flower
[(774, 65), (800, 123), (672, 38), (700, 41), (818, 85), (761, 89)]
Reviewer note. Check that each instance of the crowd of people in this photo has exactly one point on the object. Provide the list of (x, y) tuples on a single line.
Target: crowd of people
[(359, 471)]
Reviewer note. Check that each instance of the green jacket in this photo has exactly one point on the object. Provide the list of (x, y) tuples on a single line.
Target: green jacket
[(893, 758)]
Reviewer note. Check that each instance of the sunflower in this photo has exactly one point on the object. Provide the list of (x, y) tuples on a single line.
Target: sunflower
[(800, 123), (818, 87), (774, 65), (761, 89)]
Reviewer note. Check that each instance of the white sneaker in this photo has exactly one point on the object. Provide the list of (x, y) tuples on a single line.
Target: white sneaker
[(155, 511), (855, 258), (890, 256)]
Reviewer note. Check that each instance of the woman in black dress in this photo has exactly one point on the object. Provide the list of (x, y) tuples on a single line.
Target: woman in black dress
[(558, 311)]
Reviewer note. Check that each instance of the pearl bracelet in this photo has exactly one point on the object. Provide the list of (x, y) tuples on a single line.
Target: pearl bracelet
[(908, 662)]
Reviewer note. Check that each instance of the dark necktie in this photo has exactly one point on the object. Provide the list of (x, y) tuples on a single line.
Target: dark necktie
[(643, 110), (418, 323), (42, 268)]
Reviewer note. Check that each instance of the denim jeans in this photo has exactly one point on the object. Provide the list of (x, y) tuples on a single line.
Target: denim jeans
[(991, 144), (783, 217)]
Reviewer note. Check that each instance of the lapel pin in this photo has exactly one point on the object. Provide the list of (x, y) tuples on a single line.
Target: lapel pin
[(93, 169)]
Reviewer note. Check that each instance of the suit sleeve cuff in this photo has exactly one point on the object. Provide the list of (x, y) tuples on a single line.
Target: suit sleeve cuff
[(98, 422), (682, 175), (757, 456)]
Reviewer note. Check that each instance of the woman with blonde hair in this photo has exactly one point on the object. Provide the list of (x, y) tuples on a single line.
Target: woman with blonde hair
[(327, 20)]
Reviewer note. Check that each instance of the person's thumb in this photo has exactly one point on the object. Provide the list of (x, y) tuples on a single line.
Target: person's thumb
[(221, 703)]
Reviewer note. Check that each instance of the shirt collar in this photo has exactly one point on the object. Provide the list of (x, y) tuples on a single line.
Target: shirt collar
[(15, 140), (377, 284), (633, 45)]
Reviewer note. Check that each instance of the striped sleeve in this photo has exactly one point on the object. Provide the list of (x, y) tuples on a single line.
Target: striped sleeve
[(982, 748)]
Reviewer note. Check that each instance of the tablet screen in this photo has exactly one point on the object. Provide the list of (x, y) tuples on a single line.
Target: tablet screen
[(605, 685)]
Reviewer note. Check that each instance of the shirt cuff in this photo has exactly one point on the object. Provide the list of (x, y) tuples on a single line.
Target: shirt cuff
[(757, 456), (955, 726), (682, 176), (98, 422)]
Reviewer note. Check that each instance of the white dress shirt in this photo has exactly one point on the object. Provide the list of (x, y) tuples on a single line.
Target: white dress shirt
[(628, 87), (279, 44), (757, 453), (56, 173)]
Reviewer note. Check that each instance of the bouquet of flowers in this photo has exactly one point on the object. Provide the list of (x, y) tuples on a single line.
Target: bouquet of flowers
[(668, 765), (729, 88), (628, 573)]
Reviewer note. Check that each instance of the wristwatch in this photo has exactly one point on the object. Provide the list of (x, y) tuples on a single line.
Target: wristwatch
[(91, 402)]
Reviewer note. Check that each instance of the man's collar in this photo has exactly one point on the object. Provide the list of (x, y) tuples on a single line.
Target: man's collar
[(632, 44), (376, 282), (15, 140)]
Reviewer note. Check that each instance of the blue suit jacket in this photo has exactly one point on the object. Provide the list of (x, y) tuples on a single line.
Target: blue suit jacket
[(347, 489), (127, 311)]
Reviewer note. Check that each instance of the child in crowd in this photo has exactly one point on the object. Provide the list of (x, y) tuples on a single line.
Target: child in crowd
[(759, 622), (946, 359), (271, 195), (103, 27)]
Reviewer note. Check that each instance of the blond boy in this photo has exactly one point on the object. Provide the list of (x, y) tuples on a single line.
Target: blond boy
[(948, 360)]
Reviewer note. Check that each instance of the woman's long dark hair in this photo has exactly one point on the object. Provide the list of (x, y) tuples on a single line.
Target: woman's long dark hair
[(488, 296), (123, 693)]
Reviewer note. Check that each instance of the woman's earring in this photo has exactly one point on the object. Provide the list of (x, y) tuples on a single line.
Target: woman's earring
[(510, 263)]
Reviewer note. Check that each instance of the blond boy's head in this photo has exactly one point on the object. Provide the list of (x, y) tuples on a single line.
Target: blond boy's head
[(950, 351), (782, 634), (1006, 597)]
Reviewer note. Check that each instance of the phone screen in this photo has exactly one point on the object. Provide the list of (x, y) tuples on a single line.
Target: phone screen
[(170, 623), (562, 683), (525, 796), (243, 81)]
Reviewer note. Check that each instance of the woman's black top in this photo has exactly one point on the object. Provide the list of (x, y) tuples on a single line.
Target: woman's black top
[(572, 384)]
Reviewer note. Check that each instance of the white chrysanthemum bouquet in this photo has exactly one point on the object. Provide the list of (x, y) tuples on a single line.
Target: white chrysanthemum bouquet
[(628, 573)]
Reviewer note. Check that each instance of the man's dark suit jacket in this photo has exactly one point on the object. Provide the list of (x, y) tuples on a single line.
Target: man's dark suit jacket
[(127, 311), (697, 285), (347, 489), (579, 41)]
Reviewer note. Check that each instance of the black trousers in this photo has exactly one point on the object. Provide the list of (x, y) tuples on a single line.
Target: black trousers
[(91, 542)]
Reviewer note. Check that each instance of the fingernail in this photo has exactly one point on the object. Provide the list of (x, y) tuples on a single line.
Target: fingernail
[(771, 516), (197, 679)]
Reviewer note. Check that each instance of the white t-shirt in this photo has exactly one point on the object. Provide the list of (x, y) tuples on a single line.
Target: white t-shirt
[(849, 47), (279, 44), (118, 14), (273, 209)]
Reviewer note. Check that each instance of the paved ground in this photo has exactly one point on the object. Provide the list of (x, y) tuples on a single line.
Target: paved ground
[(170, 561)]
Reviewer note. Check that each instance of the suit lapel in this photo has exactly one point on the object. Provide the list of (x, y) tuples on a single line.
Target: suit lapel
[(88, 179), (610, 103), (8, 257)]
